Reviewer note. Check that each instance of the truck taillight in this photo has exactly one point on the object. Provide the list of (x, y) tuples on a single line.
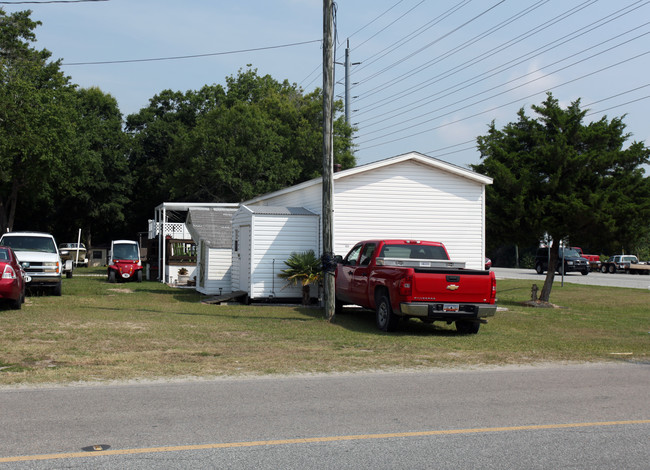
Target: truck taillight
[(493, 290), (406, 286)]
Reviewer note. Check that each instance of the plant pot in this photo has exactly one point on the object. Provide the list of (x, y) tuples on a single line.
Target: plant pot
[(183, 278)]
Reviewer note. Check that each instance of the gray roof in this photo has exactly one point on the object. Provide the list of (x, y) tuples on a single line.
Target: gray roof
[(279, 210), (212, 226)]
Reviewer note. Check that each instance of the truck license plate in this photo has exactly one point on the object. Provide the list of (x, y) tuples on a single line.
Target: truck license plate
[(450, 307)]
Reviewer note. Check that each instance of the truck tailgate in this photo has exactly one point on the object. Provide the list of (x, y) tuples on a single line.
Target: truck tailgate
[(454, 285)]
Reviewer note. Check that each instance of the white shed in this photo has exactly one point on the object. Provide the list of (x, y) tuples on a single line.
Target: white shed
[(211, 230), (264, 237), (409, 196)]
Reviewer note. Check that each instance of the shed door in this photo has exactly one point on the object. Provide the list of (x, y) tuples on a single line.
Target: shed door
[(202, 259), (245, 258)]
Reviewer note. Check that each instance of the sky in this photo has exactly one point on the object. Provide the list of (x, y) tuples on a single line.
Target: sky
[(429, 75)]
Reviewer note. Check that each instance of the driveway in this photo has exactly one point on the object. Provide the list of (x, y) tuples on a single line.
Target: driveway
[(634, 281)]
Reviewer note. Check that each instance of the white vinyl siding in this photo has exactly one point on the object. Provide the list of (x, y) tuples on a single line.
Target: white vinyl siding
[(273, 239), (407, 199), (411, 201), (218, 268)]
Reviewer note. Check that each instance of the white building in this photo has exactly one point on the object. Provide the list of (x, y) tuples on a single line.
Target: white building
[(211, 230), (410, 196), (264, 237)]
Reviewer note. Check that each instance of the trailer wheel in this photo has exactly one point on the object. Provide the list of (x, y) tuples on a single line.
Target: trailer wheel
[(386, 319), (467, 327)]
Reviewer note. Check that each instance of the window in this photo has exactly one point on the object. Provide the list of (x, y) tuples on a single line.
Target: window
[(366, 255), (353, 255)]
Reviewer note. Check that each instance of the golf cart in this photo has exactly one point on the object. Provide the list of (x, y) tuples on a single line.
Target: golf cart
[(124, 261)]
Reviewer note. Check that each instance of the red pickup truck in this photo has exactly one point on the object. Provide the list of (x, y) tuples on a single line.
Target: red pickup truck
[(414, 279)]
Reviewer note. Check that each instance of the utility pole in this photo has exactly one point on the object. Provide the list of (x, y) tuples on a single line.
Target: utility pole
[(347, 64), (347, 82), (328, 156)]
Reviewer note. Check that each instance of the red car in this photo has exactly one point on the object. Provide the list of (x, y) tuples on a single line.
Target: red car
[(12, 281)]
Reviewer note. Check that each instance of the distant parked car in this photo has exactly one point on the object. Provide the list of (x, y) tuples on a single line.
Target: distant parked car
[(12, 281), (572, 261)]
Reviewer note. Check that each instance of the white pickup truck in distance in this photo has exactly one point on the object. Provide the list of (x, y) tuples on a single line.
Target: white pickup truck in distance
[(39, 257)]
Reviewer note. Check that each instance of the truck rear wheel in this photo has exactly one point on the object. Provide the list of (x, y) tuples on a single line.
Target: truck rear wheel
[(467, 327), (612, 268), (386, 319), (603, 268), (539, 269)]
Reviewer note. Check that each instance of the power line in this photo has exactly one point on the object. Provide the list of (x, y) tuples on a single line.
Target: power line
[(473, 141), (194, 56), (503, 67), (51, 1), (516, 79), (358, 30), (619, 105), (481, 57), (488, 110), (391, 24), (423, 48)]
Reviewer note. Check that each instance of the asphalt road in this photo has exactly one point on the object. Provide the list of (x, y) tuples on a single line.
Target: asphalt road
[(634, 281), (560, 416)]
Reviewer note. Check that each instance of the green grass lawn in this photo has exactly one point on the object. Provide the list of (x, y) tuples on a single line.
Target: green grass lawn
[(99, 331)]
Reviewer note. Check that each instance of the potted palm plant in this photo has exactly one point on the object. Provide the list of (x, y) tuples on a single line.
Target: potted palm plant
[(303, 269)]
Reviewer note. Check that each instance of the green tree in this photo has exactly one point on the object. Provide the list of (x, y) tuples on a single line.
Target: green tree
[(35, 126), (155, 132), (303, 269), (229, 144), (556, 175), (96, 183)]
